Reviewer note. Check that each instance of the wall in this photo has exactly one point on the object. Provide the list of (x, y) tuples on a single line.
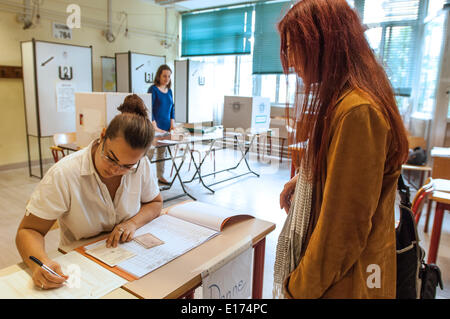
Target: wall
[(146, 23)]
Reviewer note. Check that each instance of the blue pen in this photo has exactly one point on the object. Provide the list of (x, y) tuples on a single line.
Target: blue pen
[(43, 266)]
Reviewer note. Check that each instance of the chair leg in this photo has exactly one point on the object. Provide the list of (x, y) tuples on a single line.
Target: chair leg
[(55, 155), (292, 169), (427, 218), (257, 146), (264, 147), (190, 161), (199, 161), (435, 234), (176, 151), (422, 176), (281, 150)]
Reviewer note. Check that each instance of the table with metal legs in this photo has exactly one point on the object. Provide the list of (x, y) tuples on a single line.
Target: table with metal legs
[(172, 157), (244, 148)]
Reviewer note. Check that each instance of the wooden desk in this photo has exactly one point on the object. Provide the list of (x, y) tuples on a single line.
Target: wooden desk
[(441, 162), (73, 147), (442, 200), (424, 170), (118, 293), (441, 170), (181, 276)]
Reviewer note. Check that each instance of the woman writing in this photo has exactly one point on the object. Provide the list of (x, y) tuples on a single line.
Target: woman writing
[(105, 187), (163, 112), (340, 224)]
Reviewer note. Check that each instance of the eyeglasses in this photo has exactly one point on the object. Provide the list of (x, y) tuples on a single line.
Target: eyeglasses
[(131, 168)]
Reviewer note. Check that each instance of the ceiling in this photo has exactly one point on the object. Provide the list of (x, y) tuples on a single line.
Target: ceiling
[(188, 5)]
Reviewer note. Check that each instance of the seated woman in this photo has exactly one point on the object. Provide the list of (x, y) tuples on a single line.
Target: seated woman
[(106, 187)]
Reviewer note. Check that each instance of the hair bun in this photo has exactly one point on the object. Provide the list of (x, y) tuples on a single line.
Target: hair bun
[(133, 104)]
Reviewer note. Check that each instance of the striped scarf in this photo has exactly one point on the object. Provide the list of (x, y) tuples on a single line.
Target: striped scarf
[(292, 236)]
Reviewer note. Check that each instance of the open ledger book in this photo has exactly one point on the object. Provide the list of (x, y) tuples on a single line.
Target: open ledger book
[(181, 229)]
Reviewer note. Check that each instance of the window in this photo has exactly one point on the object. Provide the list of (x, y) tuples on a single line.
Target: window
[(434, 6), (393, 29), (448, 112), (266, 49), (223, 70), (432, 45), (222, 31), (392, 34), (245, 77), (373, 36), (268, 86)]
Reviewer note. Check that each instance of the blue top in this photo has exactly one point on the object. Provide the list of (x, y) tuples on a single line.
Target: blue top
[(163, 109)]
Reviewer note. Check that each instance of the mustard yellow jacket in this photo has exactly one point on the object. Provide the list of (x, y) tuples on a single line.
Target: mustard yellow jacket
[(350, 250)]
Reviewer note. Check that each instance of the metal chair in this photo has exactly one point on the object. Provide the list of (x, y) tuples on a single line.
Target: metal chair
[(420, 198)]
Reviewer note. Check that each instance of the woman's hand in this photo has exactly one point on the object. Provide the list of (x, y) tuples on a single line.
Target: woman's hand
[(286, 194), (45, 280), (122, 232)]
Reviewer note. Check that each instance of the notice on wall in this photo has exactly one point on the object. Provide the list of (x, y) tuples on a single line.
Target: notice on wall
[(65, 97), (231, 277), (62, 31)]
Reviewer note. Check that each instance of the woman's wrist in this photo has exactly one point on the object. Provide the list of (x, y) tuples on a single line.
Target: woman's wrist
[(132, 223)]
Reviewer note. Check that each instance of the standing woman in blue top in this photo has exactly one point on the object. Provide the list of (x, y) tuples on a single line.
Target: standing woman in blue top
[(163, 112)]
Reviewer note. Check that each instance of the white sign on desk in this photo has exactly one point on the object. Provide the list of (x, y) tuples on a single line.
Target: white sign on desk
[(230, 279)]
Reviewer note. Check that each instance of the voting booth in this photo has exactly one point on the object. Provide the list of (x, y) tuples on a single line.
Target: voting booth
[(246, 112), (194, 92), (135, 72), (95, 110), (52, 73)]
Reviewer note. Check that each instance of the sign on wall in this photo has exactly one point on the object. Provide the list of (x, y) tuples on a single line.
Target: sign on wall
[(62, 31)]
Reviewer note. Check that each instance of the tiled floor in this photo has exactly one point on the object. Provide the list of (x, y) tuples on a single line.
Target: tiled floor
[(258, 196)]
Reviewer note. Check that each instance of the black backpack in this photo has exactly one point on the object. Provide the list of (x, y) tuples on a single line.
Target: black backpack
[(415, 278), (417, 156)]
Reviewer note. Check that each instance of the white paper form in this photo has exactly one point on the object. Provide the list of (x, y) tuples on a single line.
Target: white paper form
[(110, 256), (65, 97), (179, 237), (87, 279)]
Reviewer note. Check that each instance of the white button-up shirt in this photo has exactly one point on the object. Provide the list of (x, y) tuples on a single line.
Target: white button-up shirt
[(72, 192)]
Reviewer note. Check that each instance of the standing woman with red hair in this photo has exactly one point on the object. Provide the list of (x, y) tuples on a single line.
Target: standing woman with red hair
[(338, 240)]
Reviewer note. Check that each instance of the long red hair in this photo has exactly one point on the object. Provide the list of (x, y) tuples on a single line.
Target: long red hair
[(328, 50)]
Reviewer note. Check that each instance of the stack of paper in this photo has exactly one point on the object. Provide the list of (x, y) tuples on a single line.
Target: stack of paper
[(87, 279)]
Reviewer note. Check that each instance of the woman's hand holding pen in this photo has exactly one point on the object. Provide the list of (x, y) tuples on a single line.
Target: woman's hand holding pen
[(43, 279), (286, 194), (122, 232)]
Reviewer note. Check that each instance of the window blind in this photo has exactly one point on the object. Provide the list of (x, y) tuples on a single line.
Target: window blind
[(399, 20), (266, 48), (376, 11), (224, 31), (398, 57)]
